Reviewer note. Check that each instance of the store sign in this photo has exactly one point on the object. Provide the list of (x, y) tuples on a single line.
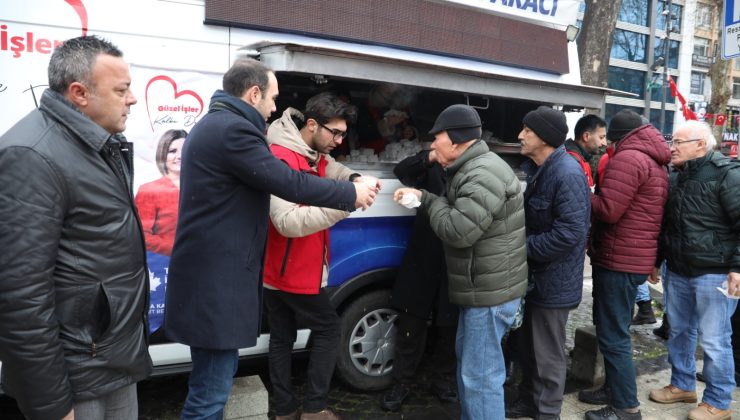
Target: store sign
[(558, 12)]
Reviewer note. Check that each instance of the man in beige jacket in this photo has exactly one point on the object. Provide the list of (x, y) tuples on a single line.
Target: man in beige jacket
[(297, 257)]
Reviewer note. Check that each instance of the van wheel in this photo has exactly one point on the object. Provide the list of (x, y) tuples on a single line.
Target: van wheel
[(367, 342)]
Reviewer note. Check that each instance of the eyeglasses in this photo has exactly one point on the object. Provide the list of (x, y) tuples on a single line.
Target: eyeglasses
[(677, 143), (337, 134)]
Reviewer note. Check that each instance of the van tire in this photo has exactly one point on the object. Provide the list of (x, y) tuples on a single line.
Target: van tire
[(367, 342)]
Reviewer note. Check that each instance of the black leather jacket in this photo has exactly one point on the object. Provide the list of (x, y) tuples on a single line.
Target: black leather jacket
[(74, 284)]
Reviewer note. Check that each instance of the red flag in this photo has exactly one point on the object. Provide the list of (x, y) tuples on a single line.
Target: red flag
[(720, 119), (688, 114)]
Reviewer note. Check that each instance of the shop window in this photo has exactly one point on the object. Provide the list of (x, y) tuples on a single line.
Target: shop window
[(701, 46), (676, 11), (634, 11), (673, 53), (703, 16), (629, 46), (736, 88), (697, 83), (627, 80)]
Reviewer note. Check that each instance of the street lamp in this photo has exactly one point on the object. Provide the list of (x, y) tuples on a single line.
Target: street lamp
[(667, 12)]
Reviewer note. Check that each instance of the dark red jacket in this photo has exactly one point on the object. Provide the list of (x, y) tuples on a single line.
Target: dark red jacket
[(628, 209)]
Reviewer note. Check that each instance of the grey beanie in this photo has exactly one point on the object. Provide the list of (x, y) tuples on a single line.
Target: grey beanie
[(622, 123), (461, 122), (549, 125)]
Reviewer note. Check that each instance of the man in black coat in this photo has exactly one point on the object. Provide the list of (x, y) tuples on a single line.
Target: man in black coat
[(214, 291), (420, 288)]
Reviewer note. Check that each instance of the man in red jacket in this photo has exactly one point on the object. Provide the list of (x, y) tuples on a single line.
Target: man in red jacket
[(627, 214), (297, 256)]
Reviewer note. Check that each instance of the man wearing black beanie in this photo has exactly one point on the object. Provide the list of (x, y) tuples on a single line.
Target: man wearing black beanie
[(627, 212), (480, 221), (557, 208)]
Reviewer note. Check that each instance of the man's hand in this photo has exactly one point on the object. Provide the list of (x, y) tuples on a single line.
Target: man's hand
[(654, 277), (370, 181), (365, 196), (733, 284), (70, 415), (398, 195)]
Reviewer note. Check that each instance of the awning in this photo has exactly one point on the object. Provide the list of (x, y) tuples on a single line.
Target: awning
[(282, 57)]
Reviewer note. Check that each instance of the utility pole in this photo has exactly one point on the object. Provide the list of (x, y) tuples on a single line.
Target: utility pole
[(666, 59)]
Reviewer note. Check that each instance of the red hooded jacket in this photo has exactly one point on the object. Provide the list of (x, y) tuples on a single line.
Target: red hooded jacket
[(628, 209)]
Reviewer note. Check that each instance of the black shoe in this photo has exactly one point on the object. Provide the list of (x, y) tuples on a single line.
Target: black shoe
[(665, 328), (520, 408), (444, 392), (645, 314), (598, 396), (393, 399), (611, 413)]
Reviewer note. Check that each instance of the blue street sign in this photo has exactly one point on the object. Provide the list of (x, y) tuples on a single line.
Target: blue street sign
[(731, 30)]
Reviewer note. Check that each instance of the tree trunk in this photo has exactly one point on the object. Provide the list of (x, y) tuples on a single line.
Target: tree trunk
[(720, 74), (595, 40)]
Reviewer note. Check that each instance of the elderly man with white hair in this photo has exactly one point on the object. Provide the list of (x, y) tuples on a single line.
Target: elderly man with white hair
[(700, 241)]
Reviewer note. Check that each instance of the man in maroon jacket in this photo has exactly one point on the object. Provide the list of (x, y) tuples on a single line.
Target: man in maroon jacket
[(626, 213)]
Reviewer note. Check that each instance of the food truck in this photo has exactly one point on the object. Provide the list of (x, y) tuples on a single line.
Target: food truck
[(400, 62)]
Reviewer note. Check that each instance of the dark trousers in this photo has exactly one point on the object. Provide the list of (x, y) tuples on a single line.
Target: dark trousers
[(410, 338), (316, 313), (542, 355), (614, 297)]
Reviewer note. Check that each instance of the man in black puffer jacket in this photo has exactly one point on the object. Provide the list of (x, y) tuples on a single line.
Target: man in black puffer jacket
[(74, 284), (700, 241)]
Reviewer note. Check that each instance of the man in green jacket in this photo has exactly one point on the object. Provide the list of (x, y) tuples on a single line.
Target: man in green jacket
[(480, 221), (700, 241)]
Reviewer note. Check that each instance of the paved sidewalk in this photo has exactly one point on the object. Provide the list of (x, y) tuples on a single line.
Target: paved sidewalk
[(574, 409)]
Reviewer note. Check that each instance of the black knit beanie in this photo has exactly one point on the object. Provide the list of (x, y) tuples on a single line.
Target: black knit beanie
[(549, 125), (461, 122), (622, 123)]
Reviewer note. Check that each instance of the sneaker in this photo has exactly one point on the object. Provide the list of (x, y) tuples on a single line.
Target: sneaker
[(520, 408), (611, 413), (325, 414), (291, 416), (670, 394), (598, 396), (706, 412), (393, 399), (444, 392)]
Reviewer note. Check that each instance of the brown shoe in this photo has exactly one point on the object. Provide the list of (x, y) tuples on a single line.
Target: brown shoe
[(291, 416), (325, 414), (706, 412), (670, 394)]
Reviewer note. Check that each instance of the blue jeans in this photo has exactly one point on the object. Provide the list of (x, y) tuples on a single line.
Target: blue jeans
[(643, 293), (614, 296), (480, 360), (696, 303), (210, 383)]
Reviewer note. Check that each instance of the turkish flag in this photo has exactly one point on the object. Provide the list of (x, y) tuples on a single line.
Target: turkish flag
[(720, 119), (688, 114)]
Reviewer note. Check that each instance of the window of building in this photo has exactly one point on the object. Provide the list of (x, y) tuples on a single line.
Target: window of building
[(627, 80), (701, 46), (703, 16), (630, 46), (676, 11), (655, 120), (582, 7), (737, 64), (673, 53), (634, 11), (656, 93), (697, 83), (736, 88)]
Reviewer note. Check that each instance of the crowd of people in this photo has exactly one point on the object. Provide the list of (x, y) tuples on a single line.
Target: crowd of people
[(487, 258)]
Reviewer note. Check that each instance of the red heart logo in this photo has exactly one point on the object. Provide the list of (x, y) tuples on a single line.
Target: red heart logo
[(178, 106)]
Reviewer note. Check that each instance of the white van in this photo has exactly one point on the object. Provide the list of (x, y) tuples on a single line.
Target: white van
[(176, 63)]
